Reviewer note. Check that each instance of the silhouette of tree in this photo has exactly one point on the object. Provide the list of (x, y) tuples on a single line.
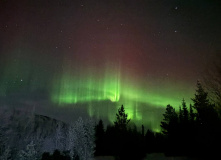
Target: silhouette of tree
[(191, 114), (150, 141), (207, 134), (205, 110), (212, 82), (180, 115), (99, 138), (46, 156), (99, 129), (110, 141), (183, 129), (142, 130), (122, 120), (57, 155), (170, 127), (185, 112), (170, 120)]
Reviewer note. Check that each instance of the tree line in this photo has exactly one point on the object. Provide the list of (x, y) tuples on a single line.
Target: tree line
[(192, 131)]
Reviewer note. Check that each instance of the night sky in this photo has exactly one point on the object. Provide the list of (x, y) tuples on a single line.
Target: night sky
[(69, 58)]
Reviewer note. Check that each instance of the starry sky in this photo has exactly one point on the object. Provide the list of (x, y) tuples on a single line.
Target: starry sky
[(71, 58)]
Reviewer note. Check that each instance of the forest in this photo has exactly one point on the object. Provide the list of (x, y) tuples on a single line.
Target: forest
[(192, 131)]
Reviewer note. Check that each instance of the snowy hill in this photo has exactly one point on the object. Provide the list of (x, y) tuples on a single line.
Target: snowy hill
[(19, 129)]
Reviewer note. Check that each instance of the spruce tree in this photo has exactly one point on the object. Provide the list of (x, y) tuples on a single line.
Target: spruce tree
[(205, 110), (183, 128), (185, 112), (99, 138), (191, 114), (207, 135), (170, 128), (170, 120), (180, 115), (99, 129), (122, 120)]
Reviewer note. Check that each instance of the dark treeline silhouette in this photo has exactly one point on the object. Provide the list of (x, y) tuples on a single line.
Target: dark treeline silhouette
[(119, 140), (124, 142), (192, 131)]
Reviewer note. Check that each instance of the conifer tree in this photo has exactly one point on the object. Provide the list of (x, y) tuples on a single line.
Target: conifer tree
[(99, 138), (83, 139), (180, 115), (205, 110), (99, 129), (170, 120), (207, 135), (185, 112), (170, 128), (191, 114), (122, 120)]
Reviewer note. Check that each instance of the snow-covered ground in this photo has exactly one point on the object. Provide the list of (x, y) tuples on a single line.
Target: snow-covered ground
[(161, 156), (152, 156), (104, 158)]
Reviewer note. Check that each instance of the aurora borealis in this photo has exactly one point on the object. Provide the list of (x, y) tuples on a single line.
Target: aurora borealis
[(94, 56)]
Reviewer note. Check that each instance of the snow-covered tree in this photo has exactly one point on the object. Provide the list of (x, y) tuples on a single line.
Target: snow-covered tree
[(80, 139), (84, 139), (70, 139), (6, 155), (30, 124), (30, 153), (59, 137), (90, 134), (2, 143)]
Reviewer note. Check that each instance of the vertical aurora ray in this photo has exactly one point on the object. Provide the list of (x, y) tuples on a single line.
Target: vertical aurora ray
[(102, 89), (96, 86), (105, 83), (70, 89)]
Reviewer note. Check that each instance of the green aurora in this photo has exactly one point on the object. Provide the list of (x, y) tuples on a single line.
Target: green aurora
[(112, 84), (87, 59), (94, 86)]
